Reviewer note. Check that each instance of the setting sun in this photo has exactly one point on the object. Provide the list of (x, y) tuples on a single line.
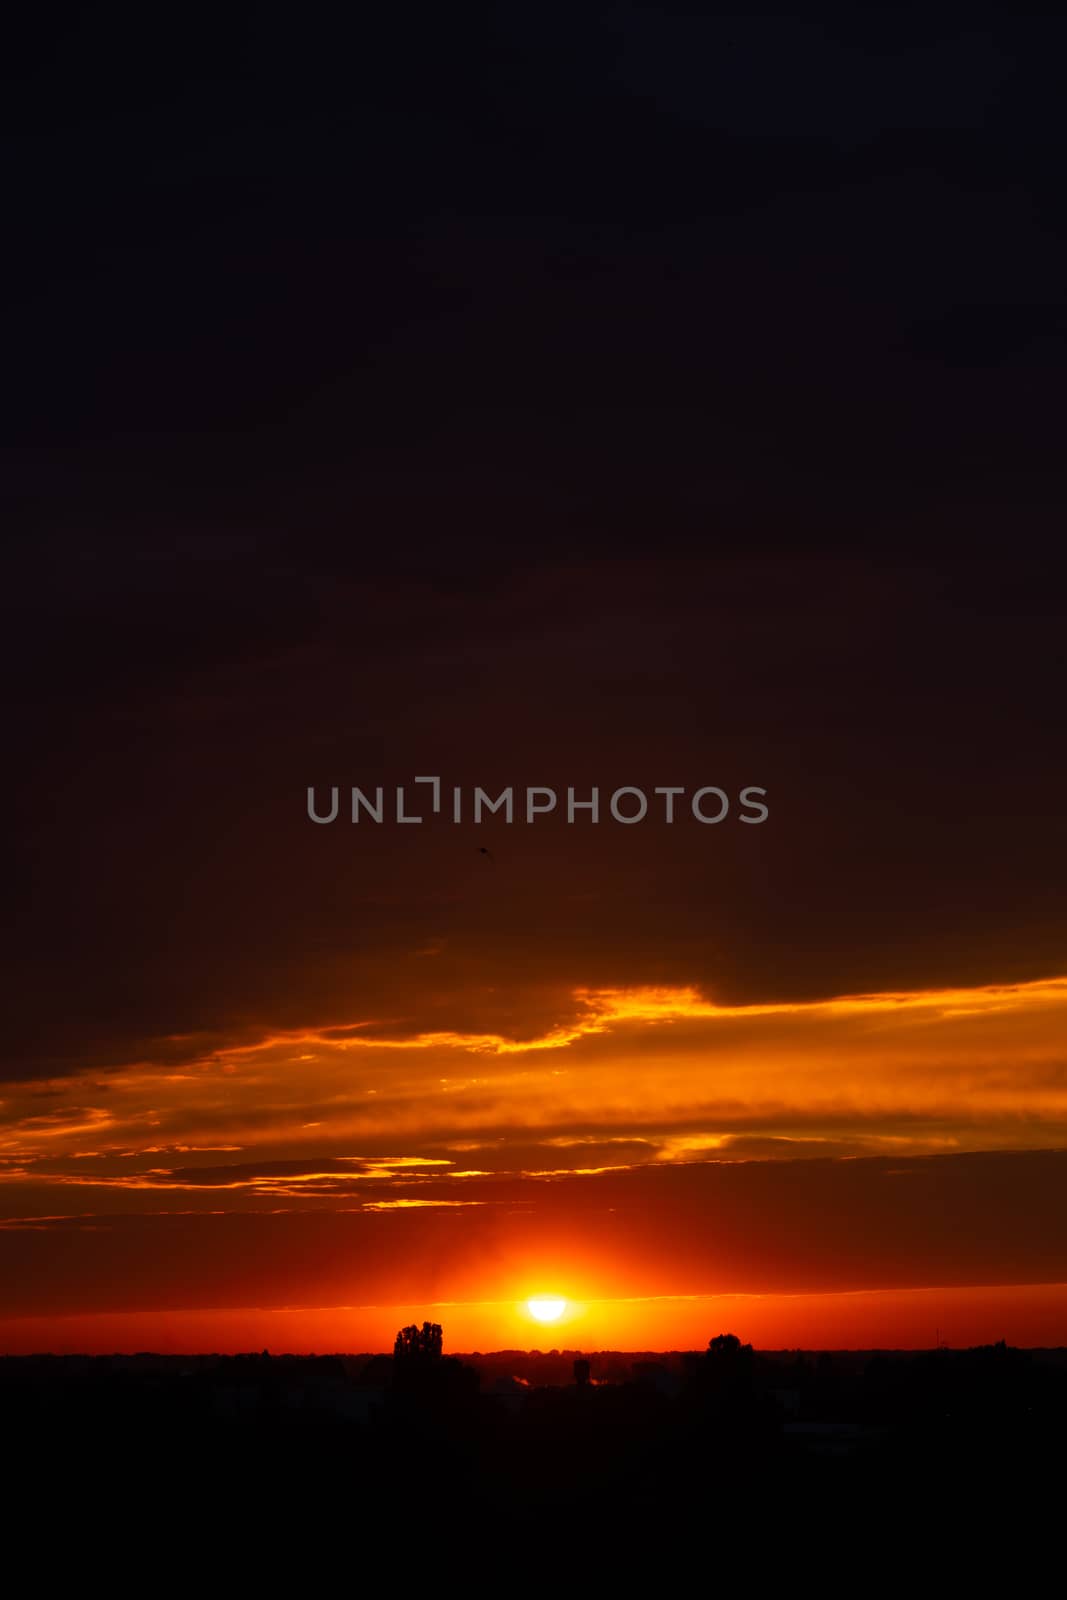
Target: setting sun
[(546, 1308)]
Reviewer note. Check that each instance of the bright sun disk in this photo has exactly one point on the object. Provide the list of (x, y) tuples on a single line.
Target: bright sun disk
[(546, 1308)]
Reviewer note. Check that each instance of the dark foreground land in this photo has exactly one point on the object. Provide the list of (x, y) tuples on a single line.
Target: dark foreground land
[(775, 1452)]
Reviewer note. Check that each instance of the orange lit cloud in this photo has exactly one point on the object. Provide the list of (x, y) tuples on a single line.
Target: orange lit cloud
[(946, 1069), (648, 1140)]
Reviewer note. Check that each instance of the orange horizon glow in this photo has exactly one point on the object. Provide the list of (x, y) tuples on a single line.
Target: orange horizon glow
[(1027, 1315)]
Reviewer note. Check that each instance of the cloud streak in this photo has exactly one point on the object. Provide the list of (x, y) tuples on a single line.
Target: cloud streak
[(646, 1140)]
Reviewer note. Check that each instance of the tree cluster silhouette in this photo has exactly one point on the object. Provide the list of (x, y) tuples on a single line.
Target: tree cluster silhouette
[(421, 1347)]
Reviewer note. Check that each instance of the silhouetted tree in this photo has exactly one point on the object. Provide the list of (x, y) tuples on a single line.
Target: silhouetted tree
[(424, 1377), (726, 1354), (722, 1384), (418, 1347)]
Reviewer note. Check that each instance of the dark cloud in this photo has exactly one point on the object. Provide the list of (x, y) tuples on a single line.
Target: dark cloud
[(170, 896)]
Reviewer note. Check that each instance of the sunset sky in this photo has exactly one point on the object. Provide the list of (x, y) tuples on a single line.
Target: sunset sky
[(699, 432)]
